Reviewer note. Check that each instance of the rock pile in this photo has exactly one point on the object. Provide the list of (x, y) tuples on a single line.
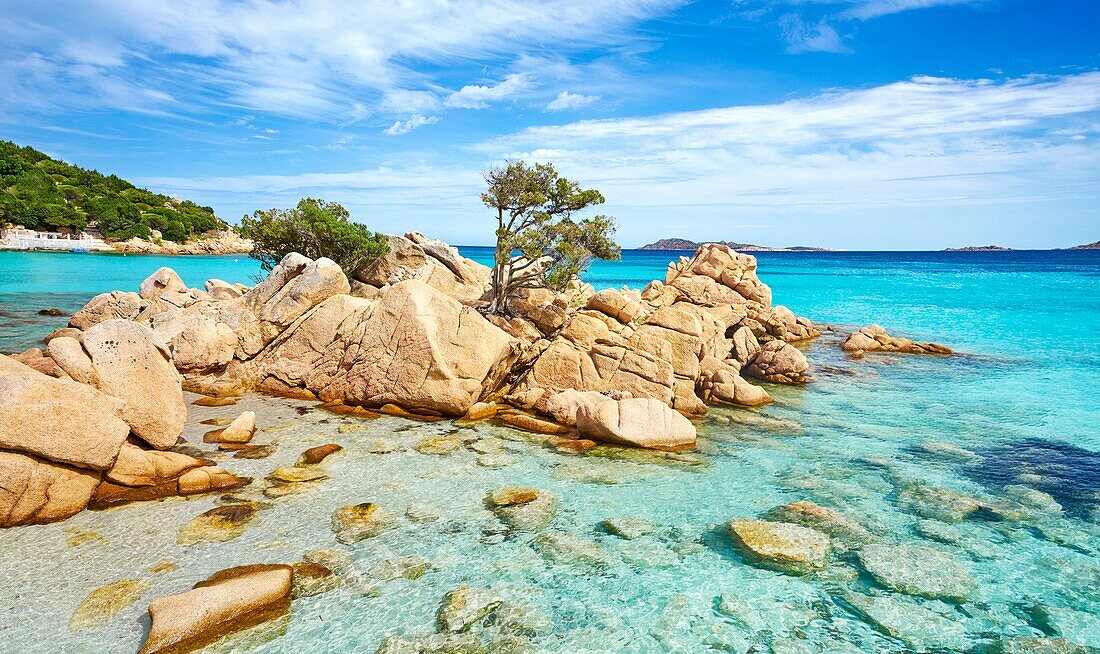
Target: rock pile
[(876, 339)]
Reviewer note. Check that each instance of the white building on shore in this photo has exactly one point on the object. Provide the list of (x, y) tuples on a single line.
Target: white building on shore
[(29, 239)]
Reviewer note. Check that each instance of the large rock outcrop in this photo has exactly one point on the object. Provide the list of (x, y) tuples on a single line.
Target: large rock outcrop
[(414, 347), (58, 420), (34, 490), (130, 362), (414, 256)]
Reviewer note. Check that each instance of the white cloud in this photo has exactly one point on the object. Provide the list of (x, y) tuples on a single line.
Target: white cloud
[(404, 127), (926, 141), (928, 156), (479, 96), (868, 9), (567, 100), (332, 59)]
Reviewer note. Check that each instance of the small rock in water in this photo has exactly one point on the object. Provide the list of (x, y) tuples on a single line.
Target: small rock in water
[(511, 496), (228, 601), (405, 567), (780, 546), (335, 560), (215, 401), (495, 460), (312, 579), (219, 524), (918, 570), (561, 547), (254, 452), (523, 509), (840, 527), (422, 513), (1033, 499), (947, 451), (315, 455), (240, 431), (464, 607), (163, 566), (381, 445), (628, 527), (904, 619), (354, 522), (438, 445), (296, 474), (104, 603), (85, 537), (939, 503)]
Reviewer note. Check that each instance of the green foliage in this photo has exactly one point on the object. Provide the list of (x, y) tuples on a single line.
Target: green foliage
[(314, 228), (48, 194), (535, 210)]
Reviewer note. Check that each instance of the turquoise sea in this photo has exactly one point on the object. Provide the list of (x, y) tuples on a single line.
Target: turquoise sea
[(905, 446)]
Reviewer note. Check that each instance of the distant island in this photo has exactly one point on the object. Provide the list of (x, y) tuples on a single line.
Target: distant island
[(1087, 246), (684, 244), (979, 248)]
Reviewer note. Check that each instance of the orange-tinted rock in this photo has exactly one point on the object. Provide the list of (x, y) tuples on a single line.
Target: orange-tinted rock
[(215, 401), (34, 491), (315, 455), (227, 602)]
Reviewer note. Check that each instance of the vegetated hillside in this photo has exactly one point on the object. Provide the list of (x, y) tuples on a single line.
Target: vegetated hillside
[(42, 193)]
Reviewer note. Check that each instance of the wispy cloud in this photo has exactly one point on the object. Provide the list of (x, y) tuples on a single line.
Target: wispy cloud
[(801, 37), (812, 25), (567, 100), (930, 145), (336, 60)]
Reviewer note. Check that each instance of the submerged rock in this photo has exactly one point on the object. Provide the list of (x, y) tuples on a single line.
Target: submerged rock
[(1073, 625), (422, 513), (438, 445), (219, 524), (405, 567), (229, 601), (523, 509), (296, 474), (780, 546), (939, 503), (918, 570), (464, 607), (104, 603), (1032, 645), (920, 628), (312, 579), (335, 560), (562, 547), (840, 527), (355, 522), (627, 527)]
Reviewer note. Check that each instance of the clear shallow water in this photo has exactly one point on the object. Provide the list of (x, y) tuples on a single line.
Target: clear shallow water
[(1024, 398)]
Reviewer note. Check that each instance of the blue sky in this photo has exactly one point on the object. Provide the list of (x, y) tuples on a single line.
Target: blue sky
[(861, 124)]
